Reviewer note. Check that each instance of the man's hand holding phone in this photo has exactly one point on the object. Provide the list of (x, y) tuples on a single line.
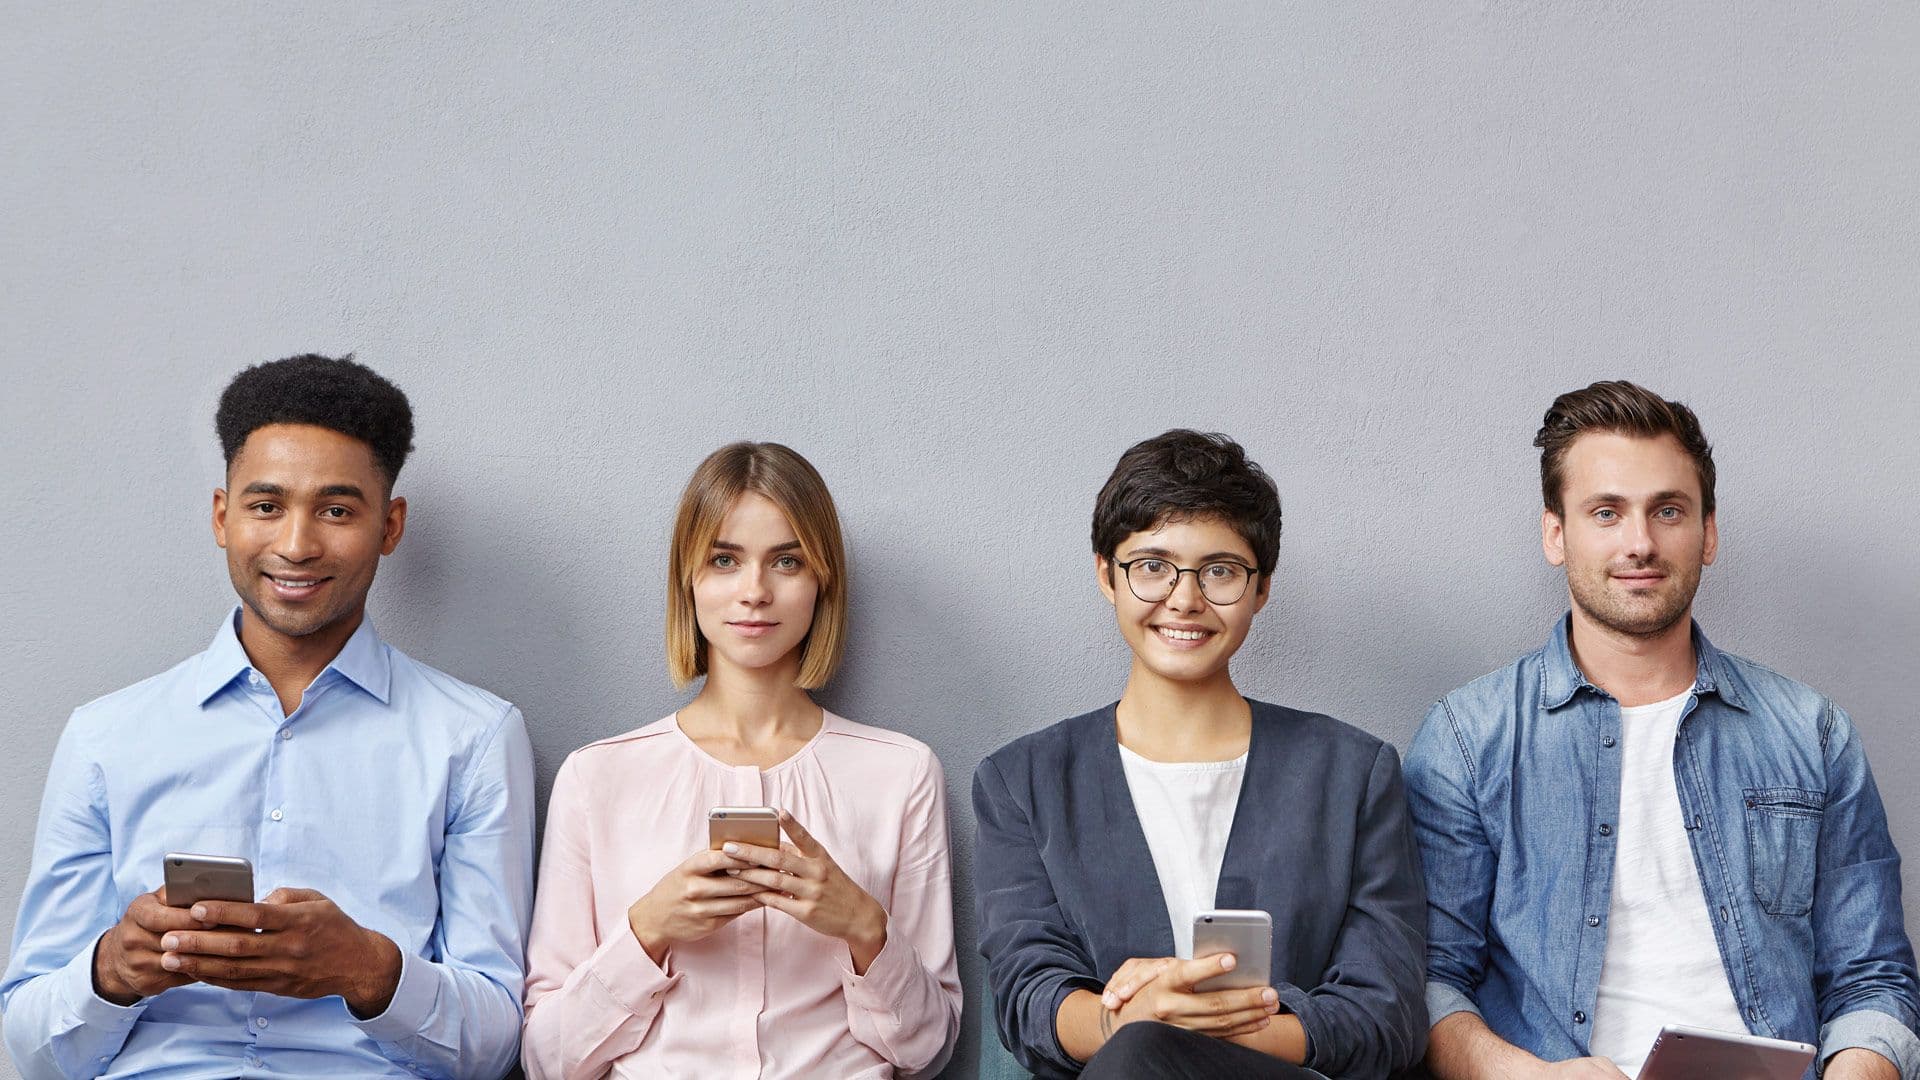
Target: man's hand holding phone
[(295, 943), (127, 958)]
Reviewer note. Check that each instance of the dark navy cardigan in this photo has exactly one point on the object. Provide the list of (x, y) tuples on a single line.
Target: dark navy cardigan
[(1320, 840)]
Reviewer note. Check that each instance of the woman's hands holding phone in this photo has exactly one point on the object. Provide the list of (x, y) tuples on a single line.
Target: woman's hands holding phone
[(693, 900), (802, 880), (1162, 989)]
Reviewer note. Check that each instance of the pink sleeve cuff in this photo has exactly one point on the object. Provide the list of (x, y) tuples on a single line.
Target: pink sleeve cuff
[(629, 975), (888, 979)]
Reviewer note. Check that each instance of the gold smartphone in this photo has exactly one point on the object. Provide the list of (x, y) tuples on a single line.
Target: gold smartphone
[(756, 825)]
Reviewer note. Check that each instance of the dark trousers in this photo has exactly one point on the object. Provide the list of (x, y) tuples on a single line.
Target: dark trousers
[(1151, 1051)]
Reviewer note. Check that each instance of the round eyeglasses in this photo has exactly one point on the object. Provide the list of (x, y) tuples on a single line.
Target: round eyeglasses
[(1153, 580)]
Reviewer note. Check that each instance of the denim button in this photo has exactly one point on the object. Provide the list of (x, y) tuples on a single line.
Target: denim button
[(1579, 1018), (1723, 913), (1606, 740), (1606, 830), (1593, 920)]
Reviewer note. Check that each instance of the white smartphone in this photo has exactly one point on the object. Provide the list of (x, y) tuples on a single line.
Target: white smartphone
[(193, 878), (756, 825), (1248, 935), (1683, 1053)]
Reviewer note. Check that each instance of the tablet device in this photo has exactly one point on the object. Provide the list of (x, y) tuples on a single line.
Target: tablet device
[(1690, 1053)]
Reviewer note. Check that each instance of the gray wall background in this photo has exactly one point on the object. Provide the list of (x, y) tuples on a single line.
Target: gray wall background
[(960, 256)]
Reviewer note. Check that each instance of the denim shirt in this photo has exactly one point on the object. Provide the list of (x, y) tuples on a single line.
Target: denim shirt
[(1514, 785)]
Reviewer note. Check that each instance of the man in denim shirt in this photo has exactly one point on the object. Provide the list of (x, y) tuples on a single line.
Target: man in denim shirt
[(1628, 827)]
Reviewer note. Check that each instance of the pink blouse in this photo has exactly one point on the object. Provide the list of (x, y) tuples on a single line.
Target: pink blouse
[(763, 996)]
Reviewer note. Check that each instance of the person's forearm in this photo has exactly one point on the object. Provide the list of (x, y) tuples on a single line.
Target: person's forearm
[(1079, 1025), (41, 1035), (1859, 1063), (1284, 1038), (1462, 1047)]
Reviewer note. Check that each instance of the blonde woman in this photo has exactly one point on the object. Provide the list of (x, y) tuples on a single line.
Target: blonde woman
[(829, 956)]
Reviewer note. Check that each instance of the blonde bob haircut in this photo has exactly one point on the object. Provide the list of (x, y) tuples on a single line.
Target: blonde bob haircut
[(782, 475)]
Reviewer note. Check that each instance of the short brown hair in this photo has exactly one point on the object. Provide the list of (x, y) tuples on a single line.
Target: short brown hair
[(782, 475), (1622, 408)]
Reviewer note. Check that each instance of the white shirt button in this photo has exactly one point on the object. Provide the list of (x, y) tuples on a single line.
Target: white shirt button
[(286, 733), (260, 1022), (276, 815)]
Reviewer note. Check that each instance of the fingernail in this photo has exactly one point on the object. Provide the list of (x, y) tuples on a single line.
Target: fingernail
[(170, 962), (199, 912), (731, 849), (1269, 997), (169, 943), (1227, 961), (1107, 1001), (1265, 1021)]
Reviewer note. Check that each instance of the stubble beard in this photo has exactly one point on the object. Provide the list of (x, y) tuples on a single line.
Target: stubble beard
[(1644, 616)]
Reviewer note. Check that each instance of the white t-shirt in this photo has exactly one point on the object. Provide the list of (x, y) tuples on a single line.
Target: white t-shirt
[(1662, 965), (1186, 810)]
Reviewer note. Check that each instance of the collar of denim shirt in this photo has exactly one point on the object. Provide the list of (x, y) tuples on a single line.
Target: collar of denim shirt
[(1561, 678)]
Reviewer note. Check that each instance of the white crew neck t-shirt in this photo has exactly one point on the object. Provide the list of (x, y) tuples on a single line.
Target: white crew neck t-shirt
[(1662, 965), (1186, 810)]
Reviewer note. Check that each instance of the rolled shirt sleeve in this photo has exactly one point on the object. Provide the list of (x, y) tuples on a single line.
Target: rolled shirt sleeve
[(1457, 861), (1864, 976)]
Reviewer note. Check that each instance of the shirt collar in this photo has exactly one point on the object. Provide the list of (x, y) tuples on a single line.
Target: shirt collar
[(363, 660), (1561, 679)]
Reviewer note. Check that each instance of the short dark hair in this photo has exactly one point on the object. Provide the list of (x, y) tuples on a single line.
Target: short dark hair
[(1183, 475), (1622, 408), (340, 395)]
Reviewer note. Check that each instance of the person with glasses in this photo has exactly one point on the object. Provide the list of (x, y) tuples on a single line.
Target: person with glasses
[(829, 955), (1101, 837)]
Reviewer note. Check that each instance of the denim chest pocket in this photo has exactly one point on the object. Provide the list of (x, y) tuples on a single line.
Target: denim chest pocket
[(1783, 843)]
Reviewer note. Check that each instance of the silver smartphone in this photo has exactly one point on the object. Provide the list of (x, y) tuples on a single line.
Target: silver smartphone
[(193, 878), (1248, 935), (1683, 1053), (756, 825)]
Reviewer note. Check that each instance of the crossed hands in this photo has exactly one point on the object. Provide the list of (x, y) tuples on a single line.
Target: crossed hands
[(713, 888), (1161, 989), (295, 943)]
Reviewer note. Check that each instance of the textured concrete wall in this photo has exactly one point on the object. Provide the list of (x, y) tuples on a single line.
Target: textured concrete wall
[(960, 257)]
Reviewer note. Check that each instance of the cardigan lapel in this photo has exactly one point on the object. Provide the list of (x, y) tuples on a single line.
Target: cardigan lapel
[(1240, 863), (1123, 847)]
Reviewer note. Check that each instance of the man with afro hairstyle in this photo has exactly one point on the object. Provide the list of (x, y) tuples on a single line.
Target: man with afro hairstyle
[(386, 809)]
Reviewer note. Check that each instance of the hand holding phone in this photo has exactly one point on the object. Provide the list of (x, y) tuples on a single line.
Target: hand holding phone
[(698, 897), (1248, 935), (802, 880), (126, 960)]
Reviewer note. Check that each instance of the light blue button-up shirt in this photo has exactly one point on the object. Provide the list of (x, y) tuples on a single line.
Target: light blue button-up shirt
[(405, 795)]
